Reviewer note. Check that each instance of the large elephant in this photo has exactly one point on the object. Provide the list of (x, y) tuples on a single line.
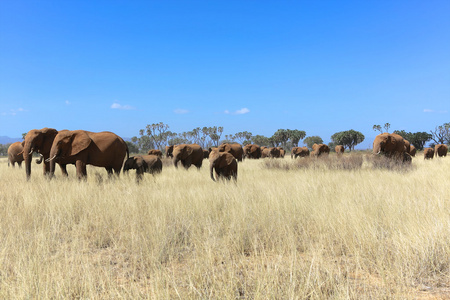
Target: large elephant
[(15, 154), (282, 151), (101, 149), (155, 152), (339, 149), (272, 152), (188, 154), (40, 141), (390, 145), (225, 165), (412, 151), (169, 151), (252, 151), (428, 153), (235, 149), (143, 163), (440, 150), (320, 150), (299, 151)]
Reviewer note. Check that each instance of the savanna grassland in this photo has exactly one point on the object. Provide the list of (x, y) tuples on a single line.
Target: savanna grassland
[(287, 230)]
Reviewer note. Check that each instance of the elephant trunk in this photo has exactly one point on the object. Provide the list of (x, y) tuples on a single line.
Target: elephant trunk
[(175, 161), (40, 159), (211, 171), (27, 157)]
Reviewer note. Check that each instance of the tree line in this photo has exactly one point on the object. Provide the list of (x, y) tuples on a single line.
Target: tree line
[(158, 135)]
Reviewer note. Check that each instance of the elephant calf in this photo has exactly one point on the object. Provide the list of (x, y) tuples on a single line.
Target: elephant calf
[(143, 163)]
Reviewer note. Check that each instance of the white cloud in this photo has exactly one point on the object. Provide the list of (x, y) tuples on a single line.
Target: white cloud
[(426, 110), (180, 111), (13, 112), (117, 105), (67, 102), (241, 111)]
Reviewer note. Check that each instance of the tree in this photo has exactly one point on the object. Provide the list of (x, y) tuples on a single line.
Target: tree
[(157, 133), (311, 140), (378, 128), (132, 147), (281, 136), (243, 137), (215, 134), (349, 139), (441, 134), (261, 140), (295, 136)]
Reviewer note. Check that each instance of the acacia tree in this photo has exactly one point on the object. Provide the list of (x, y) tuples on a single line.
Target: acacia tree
[(311, 140), (378, 128), (281, 136), (295, 136), (349, 139), (441, 134), (261, 140), (243, 137)]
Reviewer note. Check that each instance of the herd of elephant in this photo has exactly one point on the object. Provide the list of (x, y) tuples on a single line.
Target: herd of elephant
[(396, 147), (108, 150)]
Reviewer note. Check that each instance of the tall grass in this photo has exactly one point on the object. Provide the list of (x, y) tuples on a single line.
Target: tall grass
[(281, 232)]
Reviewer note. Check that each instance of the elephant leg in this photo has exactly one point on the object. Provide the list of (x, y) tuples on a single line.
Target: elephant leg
[(81, 169), (63, 168), (20, 164), (139, 173), (46, 167), (109, 170)]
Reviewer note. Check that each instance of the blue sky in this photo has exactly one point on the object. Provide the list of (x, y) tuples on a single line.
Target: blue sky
[(258, 66)]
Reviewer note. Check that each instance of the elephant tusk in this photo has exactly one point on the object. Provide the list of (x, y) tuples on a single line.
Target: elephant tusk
[(50, 159)]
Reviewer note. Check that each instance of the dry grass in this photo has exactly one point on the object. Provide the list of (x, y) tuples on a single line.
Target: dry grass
[(332, 231)]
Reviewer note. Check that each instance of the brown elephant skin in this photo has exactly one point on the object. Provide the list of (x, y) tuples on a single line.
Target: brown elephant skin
[(155, 152), (101, 149), (299, 151), (235, 149), (320, 150), (440, 150), (40, 141), (188, 154), (252, 151), (428, 153), (15, 154), (143, 164), (225, 165)]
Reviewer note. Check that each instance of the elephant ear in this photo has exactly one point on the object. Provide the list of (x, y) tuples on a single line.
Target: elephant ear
[(188, 150), (80, 141), (229, 159)]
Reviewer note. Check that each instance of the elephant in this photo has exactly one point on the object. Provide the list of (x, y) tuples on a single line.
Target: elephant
[(225, 165), (339, 149), (40, 141), (252, 151), (389, 144), (282, 152), (15, 154), (299, 151), (188, 154), (407, 146), (205, 153), (412, 151), (80, 147), (169, 151), (428, 153), (155, 152), (143, 163), (440, 150), (320, 150), (235, 149), (272, 152)]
